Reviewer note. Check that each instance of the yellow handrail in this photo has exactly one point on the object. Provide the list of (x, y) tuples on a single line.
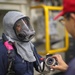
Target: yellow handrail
[(47, 44)]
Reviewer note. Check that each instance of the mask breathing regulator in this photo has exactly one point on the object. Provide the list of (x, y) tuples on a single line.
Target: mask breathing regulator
[(45, 65), (50, 61), (23, 30)]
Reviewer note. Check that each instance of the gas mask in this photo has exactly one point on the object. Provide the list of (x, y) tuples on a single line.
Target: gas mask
[(23, 30)]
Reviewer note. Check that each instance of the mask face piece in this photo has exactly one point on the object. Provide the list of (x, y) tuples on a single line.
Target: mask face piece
[(24, 31)]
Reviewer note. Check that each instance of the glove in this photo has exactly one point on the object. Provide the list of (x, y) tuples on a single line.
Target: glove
[(44, 68)]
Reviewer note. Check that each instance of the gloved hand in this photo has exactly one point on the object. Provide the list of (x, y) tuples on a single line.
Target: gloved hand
[(44, 68)]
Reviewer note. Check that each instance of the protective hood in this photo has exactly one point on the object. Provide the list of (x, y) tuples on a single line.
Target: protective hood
[(24, 49), (9, 21)]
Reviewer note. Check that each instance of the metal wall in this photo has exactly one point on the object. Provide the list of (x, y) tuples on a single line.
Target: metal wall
[(7, 5)]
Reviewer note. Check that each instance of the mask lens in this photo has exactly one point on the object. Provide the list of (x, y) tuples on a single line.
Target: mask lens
[(23, 30)]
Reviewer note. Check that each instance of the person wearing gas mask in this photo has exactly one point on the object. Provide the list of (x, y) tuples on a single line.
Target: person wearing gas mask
[(19, 32)]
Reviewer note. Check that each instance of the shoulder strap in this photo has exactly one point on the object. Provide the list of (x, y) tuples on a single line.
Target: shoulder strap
[(10, 51)]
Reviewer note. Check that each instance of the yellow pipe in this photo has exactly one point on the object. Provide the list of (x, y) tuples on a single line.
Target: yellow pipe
[(47, 29), (54, 8), (47, 44), (48, 7)]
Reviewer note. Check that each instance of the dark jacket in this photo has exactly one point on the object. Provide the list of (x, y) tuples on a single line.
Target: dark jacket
[(71, 68), (20, 66)]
